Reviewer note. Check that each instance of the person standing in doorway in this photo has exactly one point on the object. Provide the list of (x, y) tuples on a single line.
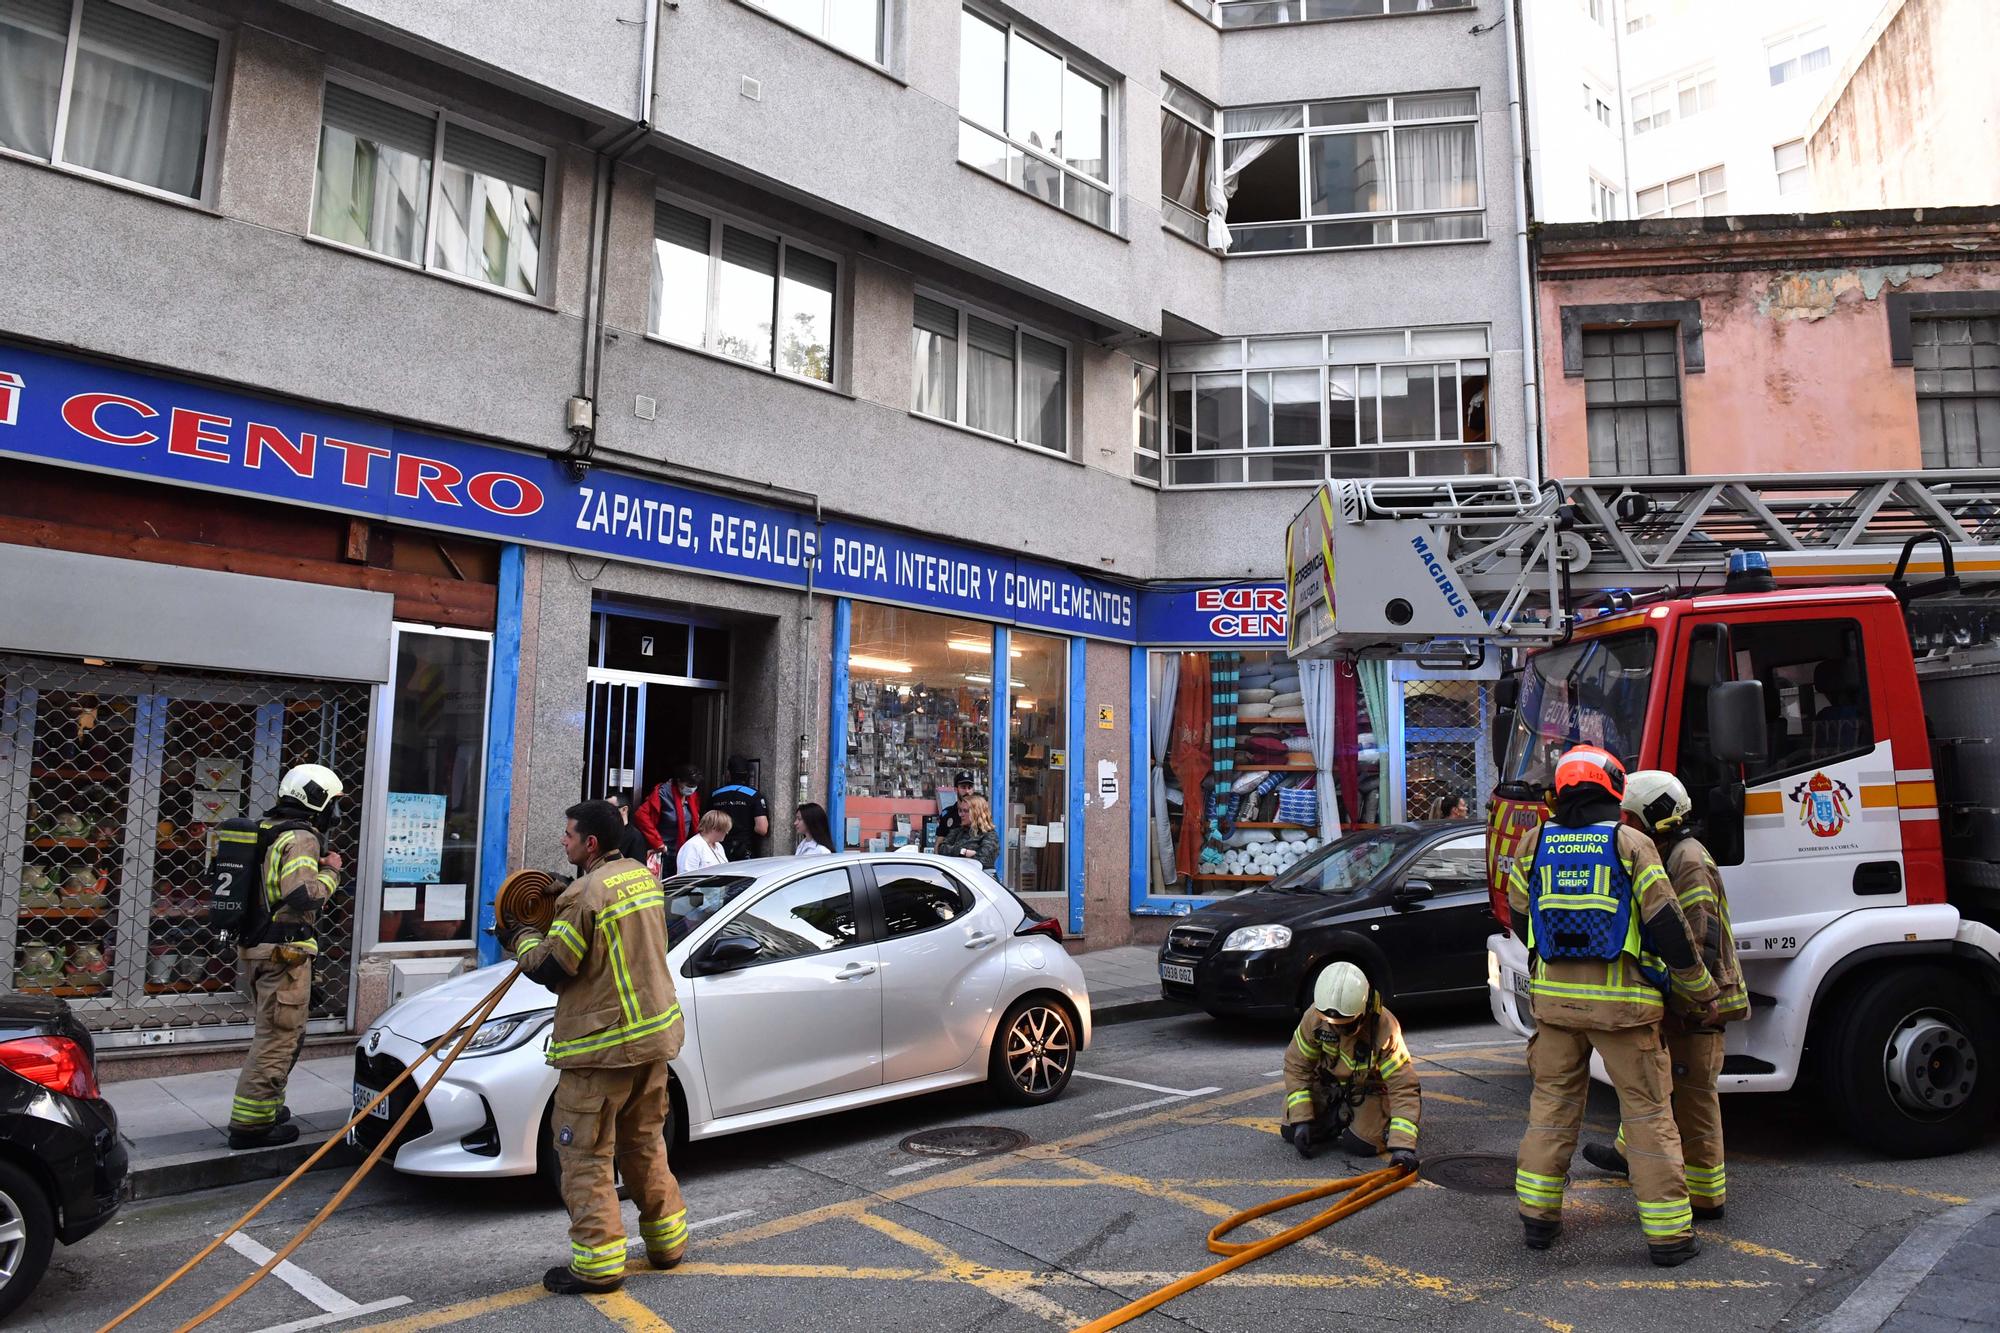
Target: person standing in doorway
[(670, 812), (814, 833), (704, 849), (749, 813)]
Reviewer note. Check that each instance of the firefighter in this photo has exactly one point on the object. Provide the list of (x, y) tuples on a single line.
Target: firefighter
[(1659, 803), (1604, 933), (617, 1025), (276, 955), (1347, 1065)]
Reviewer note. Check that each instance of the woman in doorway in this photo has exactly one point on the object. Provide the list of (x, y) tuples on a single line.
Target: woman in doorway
[(974, 837), (704, 849), (812, 830), (1451, 805)]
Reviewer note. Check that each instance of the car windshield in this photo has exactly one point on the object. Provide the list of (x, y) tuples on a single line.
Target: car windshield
[(1591, 692), (1348, 864), (692, 899)]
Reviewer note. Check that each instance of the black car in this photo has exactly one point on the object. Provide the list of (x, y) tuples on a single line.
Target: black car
[(1407, 902), (62, 1162)]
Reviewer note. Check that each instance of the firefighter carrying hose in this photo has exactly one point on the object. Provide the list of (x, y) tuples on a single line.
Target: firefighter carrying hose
[(617, 1025), (1660, 804), (1604, 933), (1348, 1075)]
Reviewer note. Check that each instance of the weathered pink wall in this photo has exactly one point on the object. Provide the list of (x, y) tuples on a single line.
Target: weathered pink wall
[(1798, 375)]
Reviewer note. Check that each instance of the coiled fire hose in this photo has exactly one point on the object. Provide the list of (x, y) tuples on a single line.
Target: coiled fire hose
[(1361, 1190), (526, 896)]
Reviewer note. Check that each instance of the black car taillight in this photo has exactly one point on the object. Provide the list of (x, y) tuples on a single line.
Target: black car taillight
[(56, 1063), (1047, 925)]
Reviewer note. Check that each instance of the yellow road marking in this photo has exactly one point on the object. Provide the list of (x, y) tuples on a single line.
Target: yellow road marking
[(1015, 1288), (459, 1313), (1751, 1247), (1910, 1191), (627, 1313), (1667, 1284), (698, 1268)]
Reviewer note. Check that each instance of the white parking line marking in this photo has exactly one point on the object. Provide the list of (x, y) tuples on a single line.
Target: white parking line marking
[(336, 1316), (1467, 1045), (918, 1166), (289, 1273), (1147, 1106), (1143, 1087)]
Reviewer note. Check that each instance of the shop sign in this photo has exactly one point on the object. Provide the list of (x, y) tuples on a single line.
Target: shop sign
[(1249, 614), (75, 413)]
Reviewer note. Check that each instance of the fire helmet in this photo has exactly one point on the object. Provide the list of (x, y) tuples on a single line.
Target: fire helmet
[(1341, 991), (313, 786), (1656, 799), (1591, 766)]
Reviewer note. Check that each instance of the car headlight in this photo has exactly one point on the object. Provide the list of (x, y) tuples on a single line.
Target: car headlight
[(504, 1034), (1257, 937)]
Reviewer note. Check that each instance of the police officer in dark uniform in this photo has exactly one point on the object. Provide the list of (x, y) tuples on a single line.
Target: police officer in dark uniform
[(949, 819), (749, 813)]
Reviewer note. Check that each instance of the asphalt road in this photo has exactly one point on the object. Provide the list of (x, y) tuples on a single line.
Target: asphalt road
[(829, 1226)]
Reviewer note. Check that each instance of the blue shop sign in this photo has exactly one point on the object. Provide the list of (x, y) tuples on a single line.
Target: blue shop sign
[(1248, 615)]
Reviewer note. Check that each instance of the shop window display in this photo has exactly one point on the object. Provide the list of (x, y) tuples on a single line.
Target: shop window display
[(1038, 776), (430, 871), (1447, 757), (920, 708)]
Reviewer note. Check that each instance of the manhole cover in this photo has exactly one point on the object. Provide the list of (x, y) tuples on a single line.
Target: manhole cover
[(1472, 1172), (964, 1141)]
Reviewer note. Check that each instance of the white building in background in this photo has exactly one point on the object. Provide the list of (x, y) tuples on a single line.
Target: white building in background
[(1645, 108)]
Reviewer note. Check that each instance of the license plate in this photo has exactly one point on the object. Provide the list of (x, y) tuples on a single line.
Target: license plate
[(362, 1096), (1178, 973), (1523, 1004)]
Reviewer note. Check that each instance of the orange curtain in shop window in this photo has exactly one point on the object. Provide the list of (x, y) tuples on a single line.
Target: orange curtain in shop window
[(1188, 751)]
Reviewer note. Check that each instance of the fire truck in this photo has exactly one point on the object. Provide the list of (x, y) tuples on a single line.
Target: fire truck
[(1816, 656)]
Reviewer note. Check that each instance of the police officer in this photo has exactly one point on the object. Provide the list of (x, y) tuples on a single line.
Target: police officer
[(1603, 932), (954, 816), (1659, 803), (1347, 1064), (749, 813), (275, 959), (617, 1025)]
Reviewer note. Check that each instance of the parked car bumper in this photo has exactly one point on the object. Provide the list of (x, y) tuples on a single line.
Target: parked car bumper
[(483, 1118), (77, 1144), (1256, 983)]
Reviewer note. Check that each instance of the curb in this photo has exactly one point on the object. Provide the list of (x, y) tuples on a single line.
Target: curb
[(187, 1172), (1135, 1011), (1871, 1304)]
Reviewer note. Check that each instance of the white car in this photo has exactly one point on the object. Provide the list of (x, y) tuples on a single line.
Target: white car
[(808, 985)]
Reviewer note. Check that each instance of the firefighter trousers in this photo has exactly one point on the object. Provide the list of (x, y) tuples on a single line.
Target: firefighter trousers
[(279, 989), (1697, 1064), (616, 1116), (1559, 1059)]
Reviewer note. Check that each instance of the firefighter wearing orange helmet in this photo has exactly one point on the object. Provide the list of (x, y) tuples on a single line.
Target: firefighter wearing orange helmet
[(1606, 939)]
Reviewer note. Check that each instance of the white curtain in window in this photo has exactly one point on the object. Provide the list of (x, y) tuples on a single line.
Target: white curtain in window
[(1238, 154), (1374, 679), (1165, 672), (138, 106), (1316, 683), (989, 376), (33, 34), (1436, 167), (1183, 163)]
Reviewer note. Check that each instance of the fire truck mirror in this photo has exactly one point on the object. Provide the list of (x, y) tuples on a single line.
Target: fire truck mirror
[(1736, 724), (1506, 699)]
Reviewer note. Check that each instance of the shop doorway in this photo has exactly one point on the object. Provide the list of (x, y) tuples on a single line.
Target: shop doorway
[(658, 696)]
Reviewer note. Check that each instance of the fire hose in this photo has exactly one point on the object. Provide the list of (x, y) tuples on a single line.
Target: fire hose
[(526, 896), (1361, 1190)]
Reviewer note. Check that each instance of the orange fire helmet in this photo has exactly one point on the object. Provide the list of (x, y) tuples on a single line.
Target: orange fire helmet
[(1590, 766)]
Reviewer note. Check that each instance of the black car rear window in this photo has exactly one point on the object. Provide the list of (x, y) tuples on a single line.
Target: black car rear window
[(1349, 864)]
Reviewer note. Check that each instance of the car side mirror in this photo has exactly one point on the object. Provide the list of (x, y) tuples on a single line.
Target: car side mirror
[(1737, 729), (728, 953), (1413, 892)]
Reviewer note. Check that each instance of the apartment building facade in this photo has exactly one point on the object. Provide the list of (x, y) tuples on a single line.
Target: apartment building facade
[(514, 405)]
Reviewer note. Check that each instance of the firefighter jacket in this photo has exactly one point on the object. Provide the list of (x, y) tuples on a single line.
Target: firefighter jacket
[(605, 957), (1698, 886), (1365, 1059), (1602, 996), (296, 886)]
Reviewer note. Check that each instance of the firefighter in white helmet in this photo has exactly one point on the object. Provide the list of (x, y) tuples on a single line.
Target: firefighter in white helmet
[(1348, 1075), (1659, 804)]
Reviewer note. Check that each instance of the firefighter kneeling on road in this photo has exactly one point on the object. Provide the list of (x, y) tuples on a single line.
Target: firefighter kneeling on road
[(1660, 804), (1347, 1066), (1603, 932), (617, 1025)]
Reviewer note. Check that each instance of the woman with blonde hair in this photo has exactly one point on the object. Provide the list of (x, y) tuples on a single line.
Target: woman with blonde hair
[(973, 836), (704, 849)]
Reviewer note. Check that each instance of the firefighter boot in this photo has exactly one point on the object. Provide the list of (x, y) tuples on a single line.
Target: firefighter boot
[(565, 1281), (1355, 1146), (1676, 1254), (1606, 1158), (1539, 1234), (269, 1136)]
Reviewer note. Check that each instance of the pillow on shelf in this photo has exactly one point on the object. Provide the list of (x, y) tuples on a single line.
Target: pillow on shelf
[(1256, 712), (1291, 700), (1255, 696)]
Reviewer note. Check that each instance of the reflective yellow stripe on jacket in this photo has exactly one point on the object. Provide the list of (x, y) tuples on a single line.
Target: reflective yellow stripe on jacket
[(634, 1023)]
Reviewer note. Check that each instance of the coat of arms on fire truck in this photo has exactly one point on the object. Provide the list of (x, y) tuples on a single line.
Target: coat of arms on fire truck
[(1823, 804)]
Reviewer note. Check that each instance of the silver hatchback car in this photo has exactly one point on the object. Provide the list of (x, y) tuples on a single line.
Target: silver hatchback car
[(809, 985)]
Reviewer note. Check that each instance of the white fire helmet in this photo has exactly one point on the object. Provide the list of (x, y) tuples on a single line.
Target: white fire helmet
[(313, 786), (1342, 989), (1656, 799)]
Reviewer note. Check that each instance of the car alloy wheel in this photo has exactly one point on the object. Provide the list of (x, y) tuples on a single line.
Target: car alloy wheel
[(1039, 1050), (13, 1238)]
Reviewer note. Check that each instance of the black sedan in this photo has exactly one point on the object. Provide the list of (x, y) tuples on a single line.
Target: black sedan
[(1406, 902), (62, 1163)]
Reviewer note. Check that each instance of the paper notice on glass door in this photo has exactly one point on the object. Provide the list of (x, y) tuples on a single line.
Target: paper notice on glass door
[(399, 897), (444, 902), (1037, 835), (1055, 833)]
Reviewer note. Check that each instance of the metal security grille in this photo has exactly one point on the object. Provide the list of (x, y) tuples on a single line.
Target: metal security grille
[(1445, 746), (111, 781)]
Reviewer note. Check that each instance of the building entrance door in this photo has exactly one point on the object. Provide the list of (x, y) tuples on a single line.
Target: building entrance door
[(646, 708)]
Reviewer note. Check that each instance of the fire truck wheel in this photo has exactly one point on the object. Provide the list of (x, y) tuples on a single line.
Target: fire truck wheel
[(1913, 1062)]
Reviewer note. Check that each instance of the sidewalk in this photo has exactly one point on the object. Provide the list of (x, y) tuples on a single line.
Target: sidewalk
[(178, 1126), (1945, 1278)]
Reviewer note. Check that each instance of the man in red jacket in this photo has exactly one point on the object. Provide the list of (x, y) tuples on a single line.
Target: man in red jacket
[(669, 814)]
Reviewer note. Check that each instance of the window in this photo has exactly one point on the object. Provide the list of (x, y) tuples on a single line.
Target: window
[(1632, 392), (742, 293), (855, 26), (437, 772), (1452, 866), (1591, 692), (137, 102), (1802, 53), (1597, 104), (1695, 93), (808, 916), (1394, 403), (407, 182), (1187, 161), (1702, 195), (994, 377), (1640, 15), (1146, 422), (1599, 12), (1257, 13), (1031, 118), (1652, 109), (1957, 363), (916, 898), (1789, 161), (1381, 171), (1603, 200), (1690, 95)]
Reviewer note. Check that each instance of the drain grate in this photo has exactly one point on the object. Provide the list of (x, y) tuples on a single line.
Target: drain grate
[(1471, 1172), (966, 1141)]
